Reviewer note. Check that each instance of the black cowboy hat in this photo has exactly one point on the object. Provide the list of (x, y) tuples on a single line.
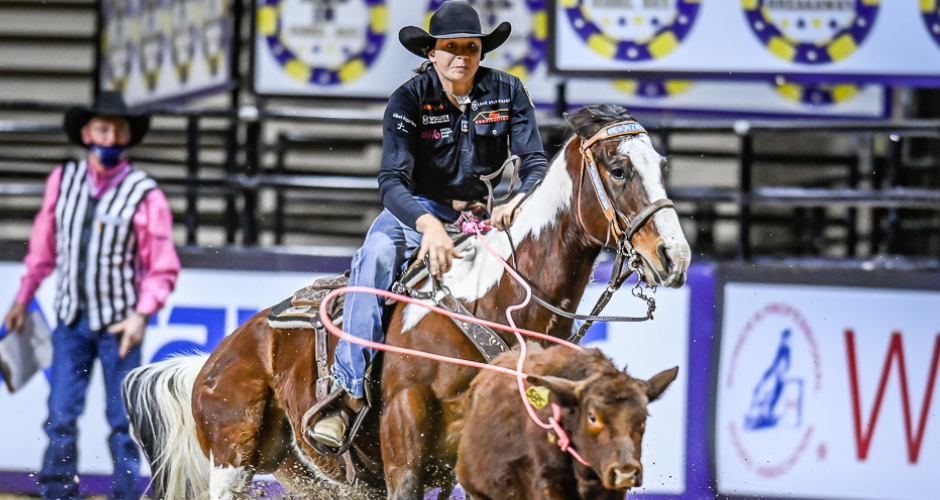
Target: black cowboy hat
[(108, 103), (453, 20)]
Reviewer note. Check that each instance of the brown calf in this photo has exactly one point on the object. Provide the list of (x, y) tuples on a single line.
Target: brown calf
[(504, 455)]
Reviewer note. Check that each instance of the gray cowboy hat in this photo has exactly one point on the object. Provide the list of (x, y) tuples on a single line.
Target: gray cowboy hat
[(454, 19), (108, 103)]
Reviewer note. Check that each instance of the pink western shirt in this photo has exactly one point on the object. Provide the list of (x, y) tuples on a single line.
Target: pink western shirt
[(153, 225)]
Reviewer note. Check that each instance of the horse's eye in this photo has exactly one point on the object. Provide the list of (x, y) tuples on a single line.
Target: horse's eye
[(618, 173)]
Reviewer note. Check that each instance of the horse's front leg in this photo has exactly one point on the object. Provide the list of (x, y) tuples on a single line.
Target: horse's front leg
[(408, 430)]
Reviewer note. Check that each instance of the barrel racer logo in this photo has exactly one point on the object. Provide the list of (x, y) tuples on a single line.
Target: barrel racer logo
[(825, 94), (117, 44), (652, 88), (632, 30), (811, 31), (527, 45), (775, 372), (324, 42), (930, 11)]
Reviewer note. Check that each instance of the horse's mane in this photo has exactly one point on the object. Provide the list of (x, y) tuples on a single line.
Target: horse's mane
[(588, 120)]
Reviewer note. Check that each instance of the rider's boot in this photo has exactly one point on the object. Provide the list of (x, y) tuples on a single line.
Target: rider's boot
[(330, 429)]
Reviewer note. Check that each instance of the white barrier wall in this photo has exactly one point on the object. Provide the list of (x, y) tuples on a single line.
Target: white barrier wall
[(209, 304), (205, 306), (828, 392)]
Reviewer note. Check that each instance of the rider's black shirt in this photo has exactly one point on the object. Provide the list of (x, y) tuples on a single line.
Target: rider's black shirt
[(432, 149)]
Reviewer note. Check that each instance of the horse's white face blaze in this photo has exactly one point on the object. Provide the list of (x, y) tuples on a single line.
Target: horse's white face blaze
[(671, 242)]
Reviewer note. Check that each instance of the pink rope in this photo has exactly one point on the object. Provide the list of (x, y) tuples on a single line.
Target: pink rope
[(563, 440), (469, 225)]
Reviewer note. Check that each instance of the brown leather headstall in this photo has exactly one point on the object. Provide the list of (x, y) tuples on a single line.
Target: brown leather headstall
[(621, 226)]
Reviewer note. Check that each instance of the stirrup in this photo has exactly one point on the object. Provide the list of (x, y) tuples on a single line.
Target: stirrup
[(332, 430), (311, 416)]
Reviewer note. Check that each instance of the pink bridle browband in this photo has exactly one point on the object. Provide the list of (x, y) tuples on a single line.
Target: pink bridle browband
[(612, 214)]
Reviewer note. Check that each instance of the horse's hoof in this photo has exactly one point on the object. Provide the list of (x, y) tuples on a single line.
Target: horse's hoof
[(330, 430)]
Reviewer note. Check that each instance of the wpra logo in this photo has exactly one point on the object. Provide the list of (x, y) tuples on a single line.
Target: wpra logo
[(775, 372)]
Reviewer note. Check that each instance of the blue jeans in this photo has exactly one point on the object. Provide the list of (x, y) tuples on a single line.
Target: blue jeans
[(74, 349), (389, 243)]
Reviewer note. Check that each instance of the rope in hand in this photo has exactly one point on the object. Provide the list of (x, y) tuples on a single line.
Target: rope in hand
[(469, 224)]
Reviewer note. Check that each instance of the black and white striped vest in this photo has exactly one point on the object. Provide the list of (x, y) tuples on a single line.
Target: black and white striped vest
[(109, 284)]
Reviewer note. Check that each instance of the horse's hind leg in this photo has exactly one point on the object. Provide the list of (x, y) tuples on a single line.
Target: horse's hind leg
[(407, 434), (229, 482)]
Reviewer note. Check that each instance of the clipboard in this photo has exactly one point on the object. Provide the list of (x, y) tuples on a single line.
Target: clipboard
[(26, 352)]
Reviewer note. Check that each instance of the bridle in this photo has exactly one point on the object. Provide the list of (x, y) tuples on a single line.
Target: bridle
[(622, 227), (627, 260)]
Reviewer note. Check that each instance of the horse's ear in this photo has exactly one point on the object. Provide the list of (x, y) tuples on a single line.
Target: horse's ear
[(658, 384)]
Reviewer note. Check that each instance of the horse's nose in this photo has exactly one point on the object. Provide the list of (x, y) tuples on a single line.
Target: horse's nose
[(622, 476), (665, 259), (675, 261)]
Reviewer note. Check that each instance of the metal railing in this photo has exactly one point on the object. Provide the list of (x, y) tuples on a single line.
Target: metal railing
[(252, 164)]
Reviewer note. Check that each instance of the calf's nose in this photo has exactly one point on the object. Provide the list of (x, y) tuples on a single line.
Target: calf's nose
[(622, 476)]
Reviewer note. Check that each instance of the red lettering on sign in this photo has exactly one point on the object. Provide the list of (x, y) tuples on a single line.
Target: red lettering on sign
[(895, 351)]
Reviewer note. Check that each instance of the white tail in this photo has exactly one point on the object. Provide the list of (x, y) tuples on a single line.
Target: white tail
[(158, 398)]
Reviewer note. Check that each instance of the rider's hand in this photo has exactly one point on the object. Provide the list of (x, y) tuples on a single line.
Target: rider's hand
[(15, 318), (504, 214), (131, 330), (437, 244)]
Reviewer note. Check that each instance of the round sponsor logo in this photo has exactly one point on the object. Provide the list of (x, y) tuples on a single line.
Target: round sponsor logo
[(652, 88), (526, 47), (818, 94), (322, 42), (631, 30), (811, 31), (474, 105), (930, 11), (772, 381)]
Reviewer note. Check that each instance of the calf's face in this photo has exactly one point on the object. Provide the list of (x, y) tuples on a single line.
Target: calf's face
[(605, 416)]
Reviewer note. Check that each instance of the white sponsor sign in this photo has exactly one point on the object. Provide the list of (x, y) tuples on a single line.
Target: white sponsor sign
[(866, 38), (154, 50), (828, 393), (732, 97), (351, 48), (205, 306), (647, 348)]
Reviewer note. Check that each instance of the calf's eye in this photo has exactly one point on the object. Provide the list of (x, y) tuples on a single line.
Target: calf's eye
[(592, 418)]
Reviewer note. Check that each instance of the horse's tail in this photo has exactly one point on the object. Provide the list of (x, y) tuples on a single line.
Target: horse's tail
[(158, 398)]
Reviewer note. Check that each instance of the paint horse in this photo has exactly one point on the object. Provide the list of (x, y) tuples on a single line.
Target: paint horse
[(210, 424)]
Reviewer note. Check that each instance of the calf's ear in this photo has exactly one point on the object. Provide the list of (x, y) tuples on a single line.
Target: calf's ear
[(656, 385)]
